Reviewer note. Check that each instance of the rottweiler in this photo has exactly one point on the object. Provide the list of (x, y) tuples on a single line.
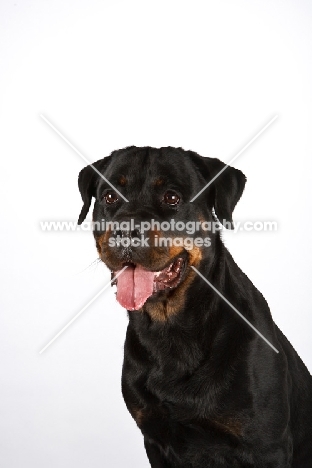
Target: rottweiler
[(204, 388)]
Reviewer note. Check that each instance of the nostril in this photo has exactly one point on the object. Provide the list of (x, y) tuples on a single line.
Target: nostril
[(135, 234), (118, 233)]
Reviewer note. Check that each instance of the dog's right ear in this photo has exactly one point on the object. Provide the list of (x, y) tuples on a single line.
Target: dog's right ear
[(87, 182)]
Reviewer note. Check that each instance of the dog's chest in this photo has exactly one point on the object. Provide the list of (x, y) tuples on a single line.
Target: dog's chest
[(170, 387)]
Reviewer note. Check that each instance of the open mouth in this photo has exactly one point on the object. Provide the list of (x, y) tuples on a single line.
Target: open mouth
[(136, 284)]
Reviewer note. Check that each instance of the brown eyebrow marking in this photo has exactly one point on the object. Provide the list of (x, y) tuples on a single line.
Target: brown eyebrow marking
[(158, 182), (122, 181)]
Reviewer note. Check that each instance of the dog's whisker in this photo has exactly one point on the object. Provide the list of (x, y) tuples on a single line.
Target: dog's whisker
[(93, 265)]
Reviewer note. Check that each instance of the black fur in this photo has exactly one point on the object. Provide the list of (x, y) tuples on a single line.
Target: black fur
[(204, 388)]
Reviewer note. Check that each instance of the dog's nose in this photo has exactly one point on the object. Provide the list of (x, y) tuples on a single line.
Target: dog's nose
[(123, 233), (125, 242), (127, 234)]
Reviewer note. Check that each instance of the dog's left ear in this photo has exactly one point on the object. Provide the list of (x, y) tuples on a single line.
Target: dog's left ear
[(228, 185), (87, 182)]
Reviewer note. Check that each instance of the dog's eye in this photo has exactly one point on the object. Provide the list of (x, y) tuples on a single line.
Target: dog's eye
[(171, 198), (110, 197)]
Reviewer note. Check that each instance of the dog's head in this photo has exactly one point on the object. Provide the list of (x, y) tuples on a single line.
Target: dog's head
[(144, 219)]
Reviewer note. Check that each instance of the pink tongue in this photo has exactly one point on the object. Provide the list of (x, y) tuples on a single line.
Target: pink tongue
[(134, 286)]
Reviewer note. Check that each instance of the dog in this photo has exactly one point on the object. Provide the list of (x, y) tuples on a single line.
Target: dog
[(204, 388)]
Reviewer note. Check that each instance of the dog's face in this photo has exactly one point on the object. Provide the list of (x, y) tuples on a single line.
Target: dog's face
[(157, 233)]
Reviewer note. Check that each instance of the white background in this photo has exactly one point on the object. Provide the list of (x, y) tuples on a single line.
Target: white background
[(204, 75)]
